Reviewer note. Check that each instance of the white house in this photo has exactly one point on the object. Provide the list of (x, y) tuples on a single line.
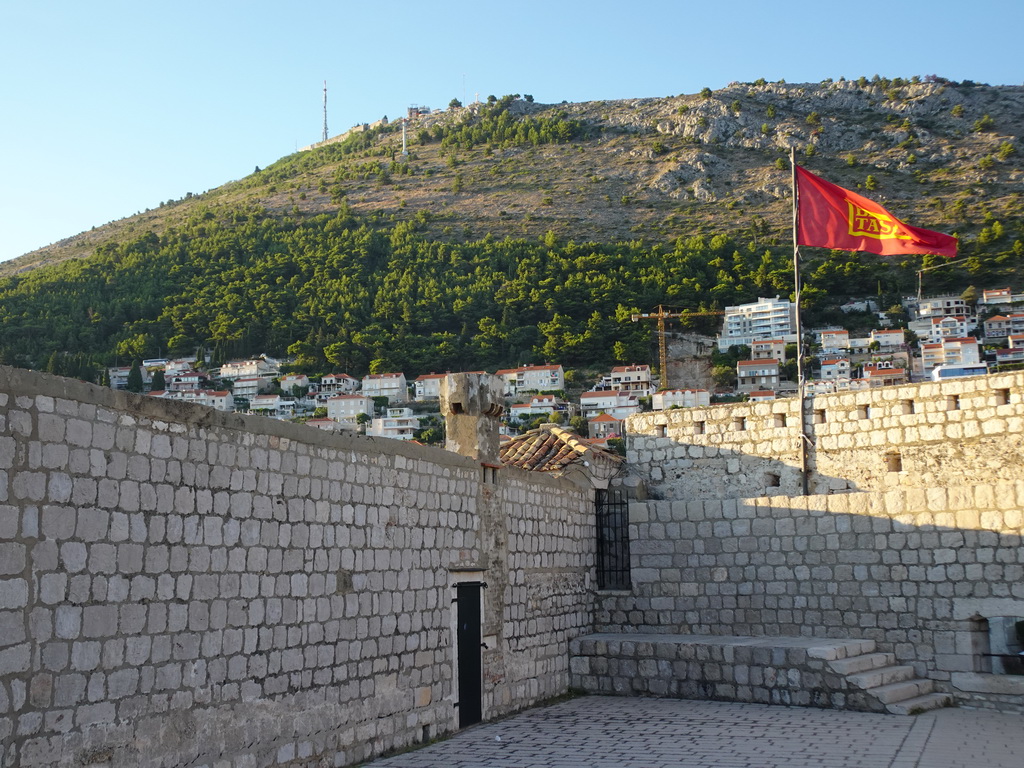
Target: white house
[(258, 368), (680, 398), (768, 349), (888, 339), (834, 340), (398, 424), (250, 387), (833, 368), (338, 384), (292, 380), (390, 385), (761, 321), (618, 403), (883, 373), (532, 378), (268, 404), (604, 426), (753, 375), (344, 409), (949, 352), (631, 378), (761, 395), (539, 405), (936, 329), (943, 306)]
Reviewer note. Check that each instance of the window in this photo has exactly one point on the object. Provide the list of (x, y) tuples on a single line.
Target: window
[(819, 416), (1002, 396), (739, 424), (780, 419), (893, 462), (1006, 645), (659, 430), (953, 403), (698, 427), (863, 411), (908, 407), (772, 480)]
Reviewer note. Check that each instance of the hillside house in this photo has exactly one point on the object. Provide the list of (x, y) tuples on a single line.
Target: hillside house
[(769, 349), (943, 306), (763, 320), (539, 405), (753, 375), (620, 403), (267, 405), (834, 340), (604, 426), (949, 352), (390, 385), (999, 297), (883, 374), (258, 368), (936, 329), (888, 339), (428, 386), (397, 424), (1003, 326), (761, 396), (833, 368), (630, 378), (292, 380), (250, 387), (532, 378), (345, 409), (338, 384), (680, 398), (119, 376)]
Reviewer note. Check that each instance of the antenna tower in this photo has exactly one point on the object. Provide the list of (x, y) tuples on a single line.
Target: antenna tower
[(325, 110)]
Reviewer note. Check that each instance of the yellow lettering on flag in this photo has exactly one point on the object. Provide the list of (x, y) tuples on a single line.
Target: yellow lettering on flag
[(870, 224)]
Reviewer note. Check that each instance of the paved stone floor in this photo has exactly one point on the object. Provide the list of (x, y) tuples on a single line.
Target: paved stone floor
[(602, 732)]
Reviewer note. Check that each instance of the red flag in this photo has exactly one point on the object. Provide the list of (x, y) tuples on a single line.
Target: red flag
[(833, 217)]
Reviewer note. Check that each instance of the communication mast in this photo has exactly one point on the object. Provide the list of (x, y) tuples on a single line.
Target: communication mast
[(325, 110)]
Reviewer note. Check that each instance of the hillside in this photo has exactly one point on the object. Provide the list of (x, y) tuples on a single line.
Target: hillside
[(512, 193)]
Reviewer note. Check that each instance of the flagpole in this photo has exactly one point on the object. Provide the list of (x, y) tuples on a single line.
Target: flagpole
[(799, 333)]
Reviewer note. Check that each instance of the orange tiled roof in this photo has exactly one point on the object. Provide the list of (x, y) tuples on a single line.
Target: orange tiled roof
[(549, 450)]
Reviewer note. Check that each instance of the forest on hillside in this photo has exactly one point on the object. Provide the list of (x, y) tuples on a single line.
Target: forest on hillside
[(360, 294)]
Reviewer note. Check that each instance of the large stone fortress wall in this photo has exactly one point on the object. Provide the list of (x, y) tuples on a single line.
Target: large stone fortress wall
[(919, 571), (921, 435), (183, 587)]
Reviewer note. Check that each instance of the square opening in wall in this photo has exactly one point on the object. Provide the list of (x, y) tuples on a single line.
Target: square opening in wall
[(893, 462), (660, 430), (819, 416), (953, 403), (863, 411), (1006, 644), (772, 480), (1002, 396), (780, 419), (908, 407), (739, 424), (698, 427)]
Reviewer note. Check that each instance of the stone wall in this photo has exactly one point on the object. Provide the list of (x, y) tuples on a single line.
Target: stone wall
[(918, 571), (184, 587), (920, 435)]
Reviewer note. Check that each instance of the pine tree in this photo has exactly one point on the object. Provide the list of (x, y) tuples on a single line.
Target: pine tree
[(134, 378)]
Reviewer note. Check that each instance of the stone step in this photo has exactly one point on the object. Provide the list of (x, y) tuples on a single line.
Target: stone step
[(898, 692), (919, 704), (876, 678), (868, 661), (832, 650)]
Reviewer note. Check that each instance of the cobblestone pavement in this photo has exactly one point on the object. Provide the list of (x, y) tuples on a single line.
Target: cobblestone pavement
[(602, 732)]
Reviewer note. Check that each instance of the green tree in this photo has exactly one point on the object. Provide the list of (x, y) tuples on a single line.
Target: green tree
[(705, 93), (871, 182), (134, 383), (159, 381)]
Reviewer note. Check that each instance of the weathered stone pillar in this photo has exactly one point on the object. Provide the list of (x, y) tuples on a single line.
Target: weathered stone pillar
[(472, 404)]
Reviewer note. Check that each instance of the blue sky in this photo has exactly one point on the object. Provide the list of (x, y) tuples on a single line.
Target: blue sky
[(108, 108)]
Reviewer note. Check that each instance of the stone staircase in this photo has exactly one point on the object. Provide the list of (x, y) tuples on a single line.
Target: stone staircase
[(800, 671), (877, 676)]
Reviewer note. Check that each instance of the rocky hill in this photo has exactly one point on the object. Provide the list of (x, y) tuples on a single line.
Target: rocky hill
[(941, 154), (516, 232)]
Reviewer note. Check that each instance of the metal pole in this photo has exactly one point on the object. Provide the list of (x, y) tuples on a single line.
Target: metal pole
[(799, 334)]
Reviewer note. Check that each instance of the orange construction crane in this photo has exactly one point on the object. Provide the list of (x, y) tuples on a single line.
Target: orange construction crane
[(661, 315)]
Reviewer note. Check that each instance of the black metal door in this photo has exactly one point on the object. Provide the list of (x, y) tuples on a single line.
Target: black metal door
[(612, 540), (469, 641)]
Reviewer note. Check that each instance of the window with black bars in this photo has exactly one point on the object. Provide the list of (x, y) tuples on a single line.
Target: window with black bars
[(612, 540)]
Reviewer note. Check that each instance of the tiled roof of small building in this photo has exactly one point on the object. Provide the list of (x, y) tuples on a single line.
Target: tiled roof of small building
[(550, 449)]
